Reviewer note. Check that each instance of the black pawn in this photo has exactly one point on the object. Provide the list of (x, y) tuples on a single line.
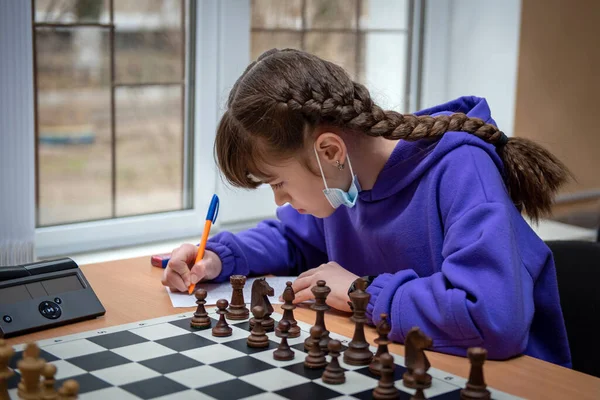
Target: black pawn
[(200, 320), (385, 388), (258, 335), (476, 388), (383, 329), (283, 351), (334, 373), (315, 357), (222, 328)]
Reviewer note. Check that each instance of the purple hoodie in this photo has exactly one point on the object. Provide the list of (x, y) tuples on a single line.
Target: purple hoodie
[(453, 254)]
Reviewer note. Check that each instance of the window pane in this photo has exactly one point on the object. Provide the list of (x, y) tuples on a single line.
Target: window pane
[(262, 41), (149, 149), (384, 14), (72, 11), (331, 14), (339, 48), (149, 40), (386, 76), (285, 14), (74, 141)]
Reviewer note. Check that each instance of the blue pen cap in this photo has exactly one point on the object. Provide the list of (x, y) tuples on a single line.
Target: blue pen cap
[(213, 209)]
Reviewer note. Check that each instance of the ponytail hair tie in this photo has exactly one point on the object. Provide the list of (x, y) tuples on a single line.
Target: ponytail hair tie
[(501, 142)]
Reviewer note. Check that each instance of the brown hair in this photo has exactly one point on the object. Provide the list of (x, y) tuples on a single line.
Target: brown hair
[(283, 95)]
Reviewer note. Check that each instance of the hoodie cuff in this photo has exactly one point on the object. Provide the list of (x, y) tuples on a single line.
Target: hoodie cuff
[(227, 260), (374, 290)]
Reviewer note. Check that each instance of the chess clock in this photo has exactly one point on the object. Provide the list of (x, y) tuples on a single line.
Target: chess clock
[(44, 295)]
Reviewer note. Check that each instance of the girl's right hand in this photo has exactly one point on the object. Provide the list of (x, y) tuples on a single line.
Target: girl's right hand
[(181, 270)]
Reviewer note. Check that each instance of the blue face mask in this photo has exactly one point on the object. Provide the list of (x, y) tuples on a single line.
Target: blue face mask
[(336, 196)]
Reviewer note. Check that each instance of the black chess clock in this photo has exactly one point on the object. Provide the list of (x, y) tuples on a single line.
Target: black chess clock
[(43, 295)]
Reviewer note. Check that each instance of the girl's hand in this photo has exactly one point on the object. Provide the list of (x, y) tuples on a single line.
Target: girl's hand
[(181, 270), (336, 278)]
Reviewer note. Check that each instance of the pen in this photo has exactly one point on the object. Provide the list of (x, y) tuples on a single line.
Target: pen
[(211, 217)]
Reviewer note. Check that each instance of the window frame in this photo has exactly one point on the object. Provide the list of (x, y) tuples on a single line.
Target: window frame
[(117, 232)]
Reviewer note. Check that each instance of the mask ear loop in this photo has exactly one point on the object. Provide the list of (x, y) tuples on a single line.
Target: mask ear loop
[(320, 167)]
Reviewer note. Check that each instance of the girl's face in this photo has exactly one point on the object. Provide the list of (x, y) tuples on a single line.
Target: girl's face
[(295, 184)]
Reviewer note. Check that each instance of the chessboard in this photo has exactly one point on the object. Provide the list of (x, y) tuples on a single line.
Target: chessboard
[(233, 353), (165, 358)]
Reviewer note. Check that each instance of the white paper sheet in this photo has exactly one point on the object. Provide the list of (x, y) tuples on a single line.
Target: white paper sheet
[(224, 290)]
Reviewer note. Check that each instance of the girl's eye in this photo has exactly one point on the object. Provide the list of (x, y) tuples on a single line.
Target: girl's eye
[(277, 185)]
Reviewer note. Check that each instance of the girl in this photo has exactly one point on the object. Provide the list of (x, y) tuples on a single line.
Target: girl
[(427, 207)]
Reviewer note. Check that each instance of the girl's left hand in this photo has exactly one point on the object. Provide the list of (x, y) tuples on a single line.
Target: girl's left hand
[(336, 278)]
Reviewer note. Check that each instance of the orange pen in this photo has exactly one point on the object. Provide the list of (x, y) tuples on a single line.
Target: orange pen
[(211, 217)]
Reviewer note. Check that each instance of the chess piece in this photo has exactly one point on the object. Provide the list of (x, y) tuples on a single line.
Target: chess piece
[(358, 352), (385, 387), (320, 291), (237, 308), (283, 352), (383, 329), (476, 388), (48, 390), (6, 354), (258, 336), (260, 292), (288, 310), (334, 373), (69, 390), (315, 357), (416, 360), (200, 320), (222, 328), (30, 367)]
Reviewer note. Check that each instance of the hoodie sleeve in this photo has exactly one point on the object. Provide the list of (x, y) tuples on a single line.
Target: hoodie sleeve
[(482, 294), (286, 246)]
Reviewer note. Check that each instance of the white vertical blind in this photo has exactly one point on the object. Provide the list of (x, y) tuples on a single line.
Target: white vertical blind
[(17, 137)]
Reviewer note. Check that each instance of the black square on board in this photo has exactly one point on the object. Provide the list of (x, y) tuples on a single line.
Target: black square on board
[(96, 361), (185, 342), (245, 325), (87, 383), (19, 355), (117, 339), (232, 389), (154, 387), (300, 369), (170, 363), (13, 381), (184, 323), (398, 372), (309, 390), (455, 394), (242, 366), (299, 346), (242, 346), (368, 395)]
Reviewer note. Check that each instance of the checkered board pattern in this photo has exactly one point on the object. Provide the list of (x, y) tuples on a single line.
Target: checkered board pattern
[(164, 358)]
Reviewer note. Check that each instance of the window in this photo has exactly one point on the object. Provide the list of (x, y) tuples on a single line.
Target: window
[(111, 108), (129, 94), (371, 39)]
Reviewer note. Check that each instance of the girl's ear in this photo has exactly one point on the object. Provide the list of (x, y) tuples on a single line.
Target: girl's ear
[(331, 148)]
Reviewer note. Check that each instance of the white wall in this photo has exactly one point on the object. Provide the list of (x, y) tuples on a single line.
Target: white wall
[(471, 47)]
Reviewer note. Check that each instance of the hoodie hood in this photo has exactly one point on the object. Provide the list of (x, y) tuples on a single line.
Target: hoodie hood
[(411, 159)]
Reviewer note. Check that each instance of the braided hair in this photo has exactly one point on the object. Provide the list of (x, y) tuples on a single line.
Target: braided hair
[(282, 96)]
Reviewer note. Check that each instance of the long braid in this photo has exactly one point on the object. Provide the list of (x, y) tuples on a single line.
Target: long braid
[(533, 174)]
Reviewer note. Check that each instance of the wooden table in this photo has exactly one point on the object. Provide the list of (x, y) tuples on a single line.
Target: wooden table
[(130, 290)]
